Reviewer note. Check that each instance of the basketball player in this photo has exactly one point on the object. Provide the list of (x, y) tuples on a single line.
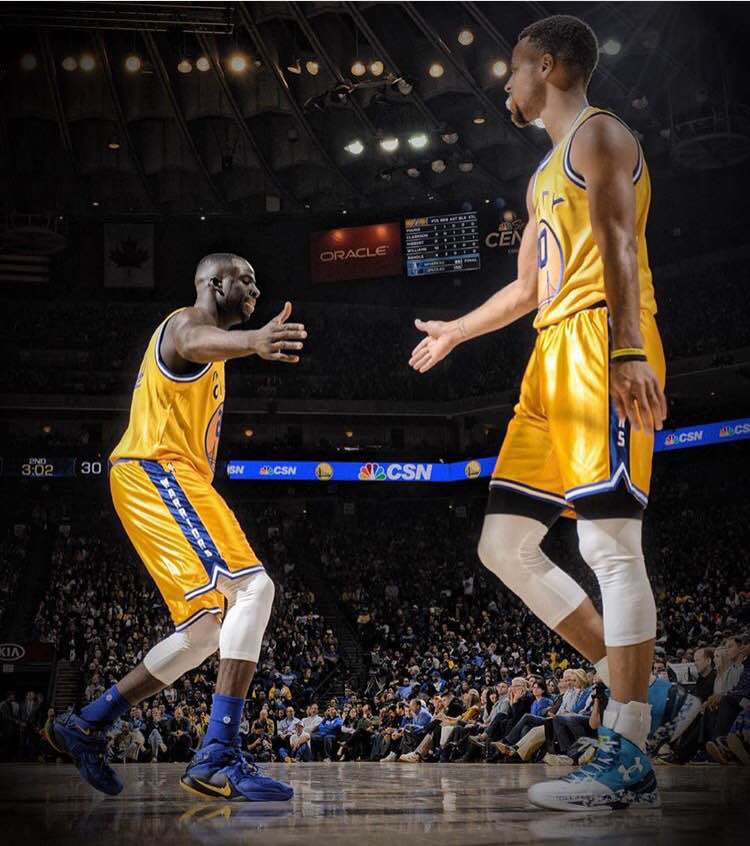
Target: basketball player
[(592, 395), (191, 543)]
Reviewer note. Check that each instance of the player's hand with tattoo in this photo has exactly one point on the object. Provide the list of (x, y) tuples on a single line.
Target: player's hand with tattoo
[(441, 339), (274, 339), (637, 395)]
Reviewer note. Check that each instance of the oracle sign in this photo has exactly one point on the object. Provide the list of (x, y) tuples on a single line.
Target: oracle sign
[(357, 252)]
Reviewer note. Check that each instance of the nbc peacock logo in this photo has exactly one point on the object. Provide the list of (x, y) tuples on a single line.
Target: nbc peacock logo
[(265, 470), (670, 440), (371, 472)]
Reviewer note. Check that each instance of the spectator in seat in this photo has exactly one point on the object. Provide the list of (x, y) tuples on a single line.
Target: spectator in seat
[(328, 734), (284, 731)]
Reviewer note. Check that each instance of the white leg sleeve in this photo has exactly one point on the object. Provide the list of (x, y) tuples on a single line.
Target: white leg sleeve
[(612, 548), (181, 651), (250, 601), (509, 546)]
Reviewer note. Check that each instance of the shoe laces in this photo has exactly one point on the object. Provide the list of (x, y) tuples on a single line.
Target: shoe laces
[(599, 764)]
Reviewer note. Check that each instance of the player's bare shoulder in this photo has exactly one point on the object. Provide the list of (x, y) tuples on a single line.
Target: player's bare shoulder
[(603, 140)]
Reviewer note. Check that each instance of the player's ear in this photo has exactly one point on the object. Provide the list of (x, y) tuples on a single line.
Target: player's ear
[(217, 286)]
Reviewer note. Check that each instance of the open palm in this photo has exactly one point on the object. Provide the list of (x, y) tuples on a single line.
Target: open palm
[(438, 343)]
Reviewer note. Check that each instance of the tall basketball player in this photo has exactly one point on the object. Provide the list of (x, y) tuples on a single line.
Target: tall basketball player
[(191, 543), (592, 395)]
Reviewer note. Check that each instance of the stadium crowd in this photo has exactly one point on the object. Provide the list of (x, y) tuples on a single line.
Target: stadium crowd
[(455, 667)]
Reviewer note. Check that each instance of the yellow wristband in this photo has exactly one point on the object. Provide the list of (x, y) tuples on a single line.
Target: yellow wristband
[(627, 351)]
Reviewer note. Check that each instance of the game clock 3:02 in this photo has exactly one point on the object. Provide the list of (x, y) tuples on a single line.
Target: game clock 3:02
[(42, 467)]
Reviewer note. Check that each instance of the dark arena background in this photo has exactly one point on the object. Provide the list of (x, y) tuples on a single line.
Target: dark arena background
[(361, 157)]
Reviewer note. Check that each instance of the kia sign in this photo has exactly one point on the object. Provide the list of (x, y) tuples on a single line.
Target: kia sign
[(11, 652), (358, 252)]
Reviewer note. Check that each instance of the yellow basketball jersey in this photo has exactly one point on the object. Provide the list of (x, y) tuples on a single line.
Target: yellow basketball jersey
[(174, 417), (570, 268)]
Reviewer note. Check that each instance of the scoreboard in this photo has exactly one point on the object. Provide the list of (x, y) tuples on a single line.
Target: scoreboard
[(41, 467), (445, 243)]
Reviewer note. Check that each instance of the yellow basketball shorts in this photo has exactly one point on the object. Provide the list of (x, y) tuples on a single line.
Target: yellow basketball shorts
[(565, 441), (184, 532)]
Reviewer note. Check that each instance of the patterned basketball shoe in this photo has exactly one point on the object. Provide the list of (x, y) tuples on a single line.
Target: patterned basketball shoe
[(221, 771), (618, 776), (87, 746)]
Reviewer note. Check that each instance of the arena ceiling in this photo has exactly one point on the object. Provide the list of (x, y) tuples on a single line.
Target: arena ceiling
[(252, 108)]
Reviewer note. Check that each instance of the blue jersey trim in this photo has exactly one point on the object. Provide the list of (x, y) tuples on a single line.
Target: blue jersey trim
[(224, 571), (527, 490), (194, 617), (621, 474), (185, 516), (575, 177), (175, 377)]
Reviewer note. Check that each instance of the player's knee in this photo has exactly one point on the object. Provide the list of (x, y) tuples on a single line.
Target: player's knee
[(203, 638), (509, 546)]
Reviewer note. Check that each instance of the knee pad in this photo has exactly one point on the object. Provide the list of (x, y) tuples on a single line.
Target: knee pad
[(509, 547), (612, 548), (184, 650), (250, 602)]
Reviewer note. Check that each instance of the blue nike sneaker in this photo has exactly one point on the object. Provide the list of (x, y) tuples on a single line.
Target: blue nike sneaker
[(618, 776), (222, 771), (87, 746)]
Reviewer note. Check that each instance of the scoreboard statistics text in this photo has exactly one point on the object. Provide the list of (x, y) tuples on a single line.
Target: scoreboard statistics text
[(444, 243)]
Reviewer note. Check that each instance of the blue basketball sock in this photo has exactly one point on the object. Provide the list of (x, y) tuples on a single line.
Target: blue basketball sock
[(226, 714), (106, 709)]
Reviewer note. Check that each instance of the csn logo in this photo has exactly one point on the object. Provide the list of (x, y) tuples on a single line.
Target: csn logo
[(11, 652), (235, 470), (278, 470), (359, 253), (731, 431), (373, 472), (684, 438)]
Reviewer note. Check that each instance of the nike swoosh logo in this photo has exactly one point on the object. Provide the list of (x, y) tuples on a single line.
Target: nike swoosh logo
[(221, 791)]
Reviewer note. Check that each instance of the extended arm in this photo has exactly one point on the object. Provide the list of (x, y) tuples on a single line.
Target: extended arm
[(507, 305), (604, 153), (191, 336)]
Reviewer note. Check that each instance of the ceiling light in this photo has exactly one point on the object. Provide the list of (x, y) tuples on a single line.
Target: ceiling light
[(499, 68), (296, 68), (28, 61), (133, 64), (203, 64), (450, 137), (438, 166), (248, 433), (203, 217), (418, 141), (358, 68), (185, 66), (413, 172), (611, 47), (478, 119), (95, 203), (465, 37), (312, 67), (389, 144), (466, 167), (343, 211), (113, 143), (436, 70), (69, 63), (349, 433), (377, 68), (238, 63), (355, 147), (87, 62)]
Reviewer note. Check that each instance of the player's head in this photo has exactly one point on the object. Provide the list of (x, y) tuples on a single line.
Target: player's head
[(230, 280), (560, 52)]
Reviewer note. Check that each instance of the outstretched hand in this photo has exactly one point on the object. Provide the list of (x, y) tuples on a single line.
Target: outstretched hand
[(440, 341), (277, 336)]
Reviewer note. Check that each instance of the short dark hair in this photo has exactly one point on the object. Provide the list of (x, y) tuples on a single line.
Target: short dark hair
[(569, 40)]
